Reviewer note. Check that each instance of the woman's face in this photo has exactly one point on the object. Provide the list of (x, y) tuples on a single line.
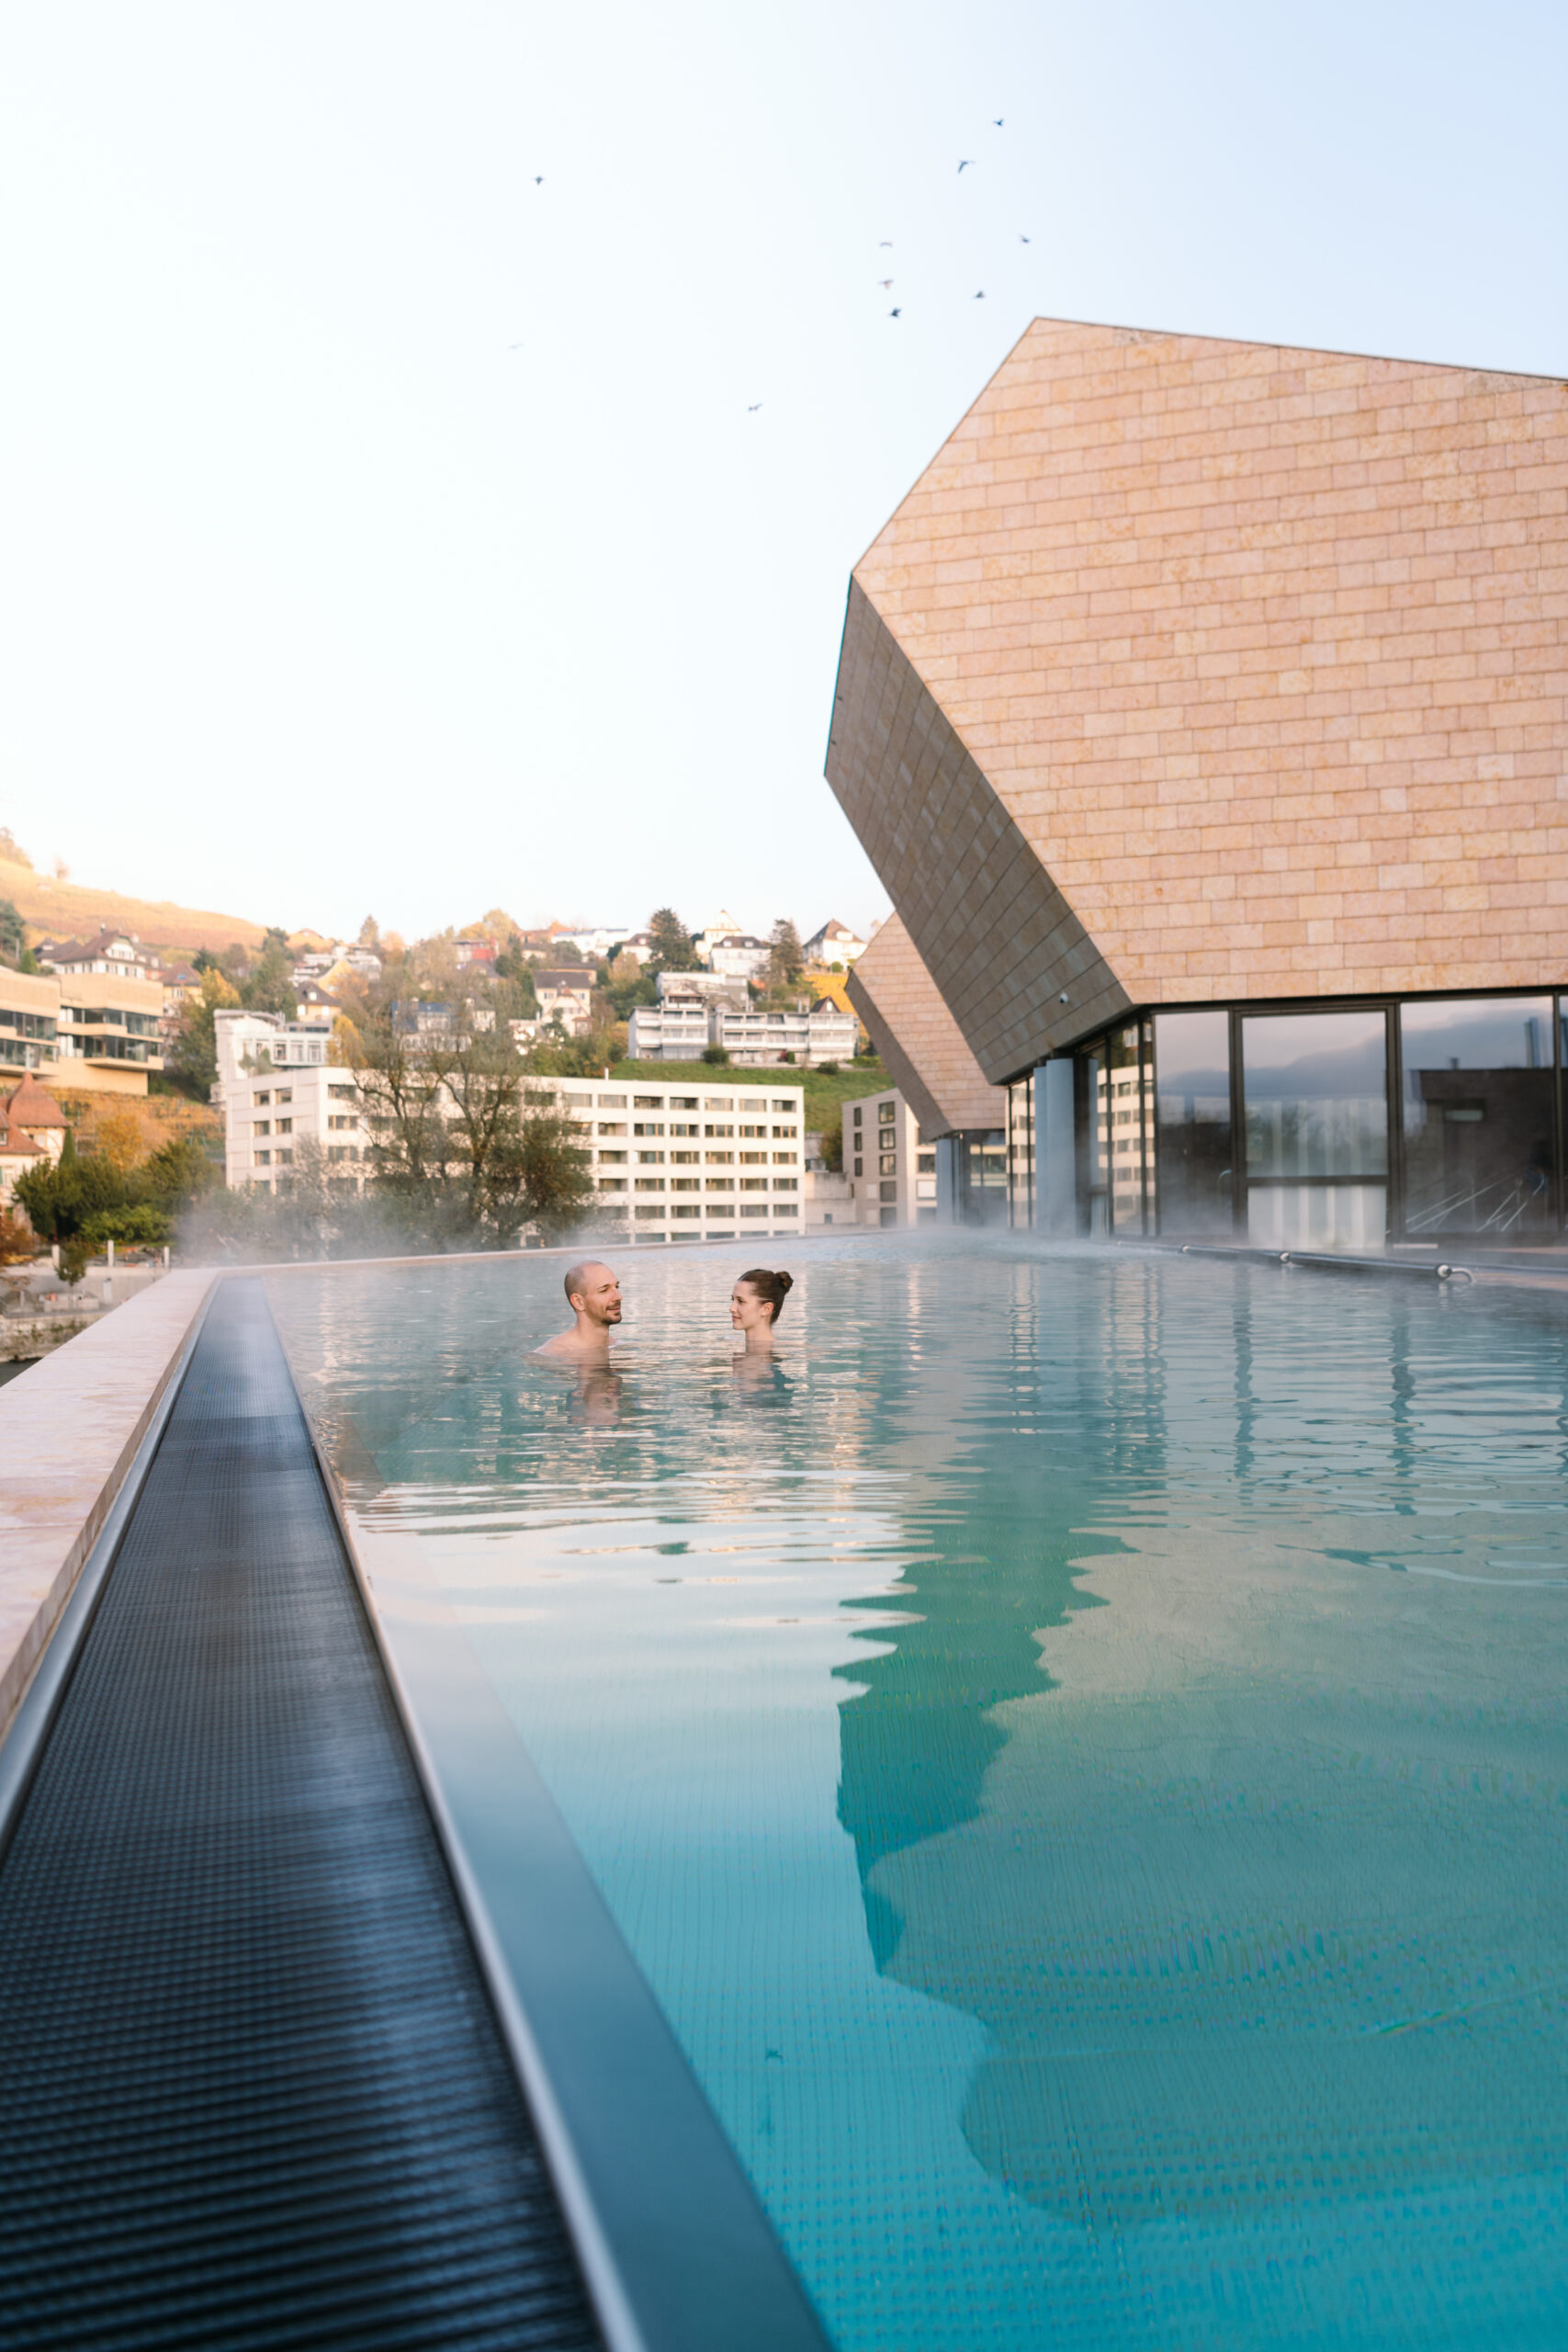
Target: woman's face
[(747, 1311)]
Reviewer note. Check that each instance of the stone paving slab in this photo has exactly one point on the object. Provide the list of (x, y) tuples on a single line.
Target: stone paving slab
[(69, 1430)]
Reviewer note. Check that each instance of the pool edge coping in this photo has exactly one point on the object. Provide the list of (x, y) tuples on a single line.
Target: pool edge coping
[(72, 1428)]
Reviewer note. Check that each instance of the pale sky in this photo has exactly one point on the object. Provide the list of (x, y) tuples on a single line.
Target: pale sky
[(321, 598)]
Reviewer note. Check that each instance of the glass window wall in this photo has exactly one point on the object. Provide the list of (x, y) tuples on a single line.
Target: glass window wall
[(1478, 1117), (1093, 1120), (1315, 1097), (1130, 1117), (1193, 1119), (981, 1168), (1021, 1151), (1480, 1081)]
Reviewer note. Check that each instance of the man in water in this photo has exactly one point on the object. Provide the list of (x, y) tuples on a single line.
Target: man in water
[(594, 1296)]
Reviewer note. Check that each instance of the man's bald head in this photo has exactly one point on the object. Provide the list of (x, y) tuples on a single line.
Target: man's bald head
[(594, 1293), (577, 1278)]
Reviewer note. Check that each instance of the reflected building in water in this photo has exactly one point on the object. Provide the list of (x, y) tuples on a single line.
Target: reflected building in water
[(1203, 709), (1122, 1775)]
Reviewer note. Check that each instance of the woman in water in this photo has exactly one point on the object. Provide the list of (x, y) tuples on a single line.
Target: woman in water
[(755, 1304)]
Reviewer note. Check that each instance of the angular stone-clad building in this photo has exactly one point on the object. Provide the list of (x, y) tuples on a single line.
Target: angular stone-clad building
[(959, 1112), (1204, 711)]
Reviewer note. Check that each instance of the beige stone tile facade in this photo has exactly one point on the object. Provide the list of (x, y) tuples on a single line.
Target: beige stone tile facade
[(1199, 670), (919, 1041)]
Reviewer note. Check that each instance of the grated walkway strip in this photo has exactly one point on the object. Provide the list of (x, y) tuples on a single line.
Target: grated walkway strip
[(253, 2091)]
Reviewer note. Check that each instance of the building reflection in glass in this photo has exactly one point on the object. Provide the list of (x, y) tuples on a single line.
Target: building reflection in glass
[(1317, 1110), (1193, 1100), (1478, 1116)]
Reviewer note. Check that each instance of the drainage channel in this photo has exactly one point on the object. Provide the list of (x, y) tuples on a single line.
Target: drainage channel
[(1333, 1261), (257, 2090)]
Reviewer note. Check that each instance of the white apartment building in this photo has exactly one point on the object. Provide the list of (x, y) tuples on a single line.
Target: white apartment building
[(891, 1168), (673, 1165), (674, 1030), (682, 1025), (275, 1088), (827, 1201), (825, 1034)]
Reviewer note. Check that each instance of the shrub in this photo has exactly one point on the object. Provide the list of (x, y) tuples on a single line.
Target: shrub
[(18, 1242), (140, 1226), (717, 1055)]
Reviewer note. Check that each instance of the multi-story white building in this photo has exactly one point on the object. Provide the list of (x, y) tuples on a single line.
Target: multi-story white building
[(671, 1164), (892, 1171), (275, 1088), (723, 926), (737, 957), (89, 1031), (827, 1201), (674, 1030), (684, 1023), (825, 1034), (899, 1176)]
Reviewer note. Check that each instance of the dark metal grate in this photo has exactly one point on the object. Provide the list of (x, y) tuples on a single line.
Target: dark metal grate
[(252, 2088)]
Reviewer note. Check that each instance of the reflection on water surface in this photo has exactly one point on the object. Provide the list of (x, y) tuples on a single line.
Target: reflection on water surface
[(1078, 1752)]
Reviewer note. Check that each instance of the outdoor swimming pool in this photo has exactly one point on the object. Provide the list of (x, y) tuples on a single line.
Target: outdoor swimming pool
[(1079, 1752)]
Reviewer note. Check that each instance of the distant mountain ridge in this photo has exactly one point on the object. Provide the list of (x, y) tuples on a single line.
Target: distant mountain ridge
[(71, 910)]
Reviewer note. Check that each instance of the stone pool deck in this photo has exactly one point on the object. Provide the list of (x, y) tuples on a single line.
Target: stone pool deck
[(69, 1430)]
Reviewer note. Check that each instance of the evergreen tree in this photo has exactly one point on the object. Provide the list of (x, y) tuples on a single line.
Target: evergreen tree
[(672, 948), (786, 957)]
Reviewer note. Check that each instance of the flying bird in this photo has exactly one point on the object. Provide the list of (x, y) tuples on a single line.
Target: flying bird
[(894, 314), (1025, 241), (965, 165), (981, 296), (885, 283), (998, 122), (539, 179), (754, 407), (889, 242)]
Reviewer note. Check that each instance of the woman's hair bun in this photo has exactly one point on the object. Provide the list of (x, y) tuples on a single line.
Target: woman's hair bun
[(773, 1288)]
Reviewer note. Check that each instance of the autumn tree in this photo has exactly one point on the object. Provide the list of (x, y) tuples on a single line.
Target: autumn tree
[(467, 1148)]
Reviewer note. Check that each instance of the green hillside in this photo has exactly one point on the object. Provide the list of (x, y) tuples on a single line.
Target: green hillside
[(825, 1090)]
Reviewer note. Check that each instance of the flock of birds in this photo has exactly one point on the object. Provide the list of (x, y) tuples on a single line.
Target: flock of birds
[(886, 285), (965, 164)]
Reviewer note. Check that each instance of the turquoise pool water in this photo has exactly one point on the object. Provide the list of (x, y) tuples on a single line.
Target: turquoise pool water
[(1079, 1751)]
